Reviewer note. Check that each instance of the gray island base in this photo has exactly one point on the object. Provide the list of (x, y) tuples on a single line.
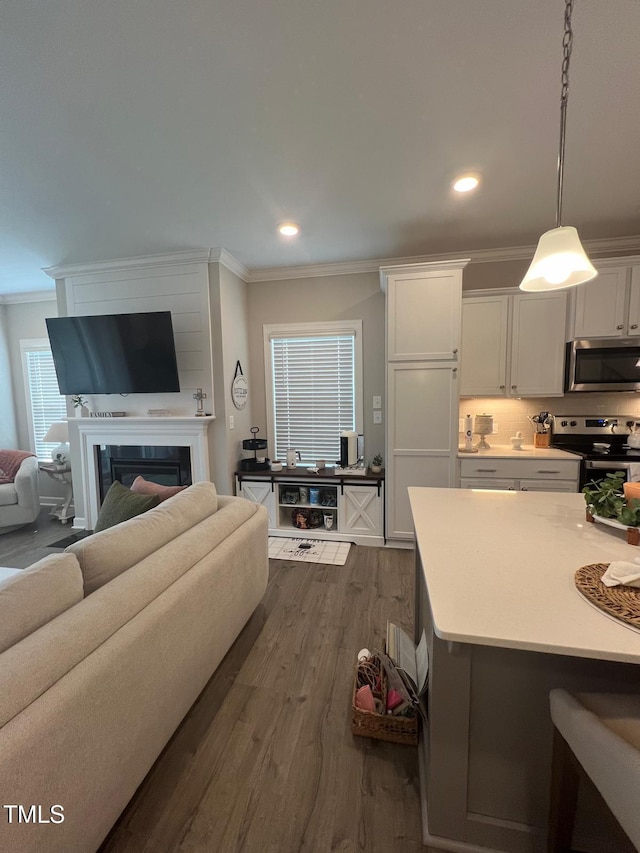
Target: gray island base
[(496, 596)]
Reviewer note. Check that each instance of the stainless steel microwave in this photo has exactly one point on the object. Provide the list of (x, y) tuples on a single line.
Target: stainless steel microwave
[(603, 364)]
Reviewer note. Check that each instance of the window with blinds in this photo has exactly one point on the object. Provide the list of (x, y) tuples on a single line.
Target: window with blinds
[(315, 381), (45, 404)]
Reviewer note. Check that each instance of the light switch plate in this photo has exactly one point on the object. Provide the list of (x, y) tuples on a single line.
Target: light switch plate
[(377, 402), (377, 416), (232, 422)]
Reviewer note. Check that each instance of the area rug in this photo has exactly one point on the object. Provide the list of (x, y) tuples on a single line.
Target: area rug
[(309, 550), (69, 540)]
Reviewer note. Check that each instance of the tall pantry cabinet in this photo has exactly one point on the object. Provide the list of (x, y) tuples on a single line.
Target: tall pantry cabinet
[(423, 315)]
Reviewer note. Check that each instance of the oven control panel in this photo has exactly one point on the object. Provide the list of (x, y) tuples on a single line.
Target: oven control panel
[(586, 425)]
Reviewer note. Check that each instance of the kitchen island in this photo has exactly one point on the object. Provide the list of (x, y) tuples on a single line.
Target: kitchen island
[(505, 623)]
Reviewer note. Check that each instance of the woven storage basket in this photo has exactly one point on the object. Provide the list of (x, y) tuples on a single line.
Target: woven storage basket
[(382, 726)]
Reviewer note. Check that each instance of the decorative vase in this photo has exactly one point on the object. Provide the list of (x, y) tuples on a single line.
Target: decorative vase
[(81, 412), (376, 469)]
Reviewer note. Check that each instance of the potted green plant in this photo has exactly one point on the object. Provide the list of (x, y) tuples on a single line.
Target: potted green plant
[(605, 499), (376, 463), (79, 404)]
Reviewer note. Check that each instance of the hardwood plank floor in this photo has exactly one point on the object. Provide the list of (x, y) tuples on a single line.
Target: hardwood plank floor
[(265, 761), (26, 545)]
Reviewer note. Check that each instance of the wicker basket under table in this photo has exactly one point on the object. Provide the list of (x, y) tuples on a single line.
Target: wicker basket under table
[(387, 727)]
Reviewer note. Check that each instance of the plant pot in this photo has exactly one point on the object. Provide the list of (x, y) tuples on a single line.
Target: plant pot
[(376, 469)]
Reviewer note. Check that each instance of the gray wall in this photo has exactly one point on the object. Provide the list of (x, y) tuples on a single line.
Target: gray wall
[(230, 344), (25, 320), (8, 431), (327, 298)]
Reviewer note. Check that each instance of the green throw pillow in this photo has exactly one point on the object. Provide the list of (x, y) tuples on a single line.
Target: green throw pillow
[(120, 503)]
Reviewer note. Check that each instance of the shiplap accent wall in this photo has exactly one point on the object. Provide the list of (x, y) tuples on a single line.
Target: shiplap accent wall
[(183, 289)]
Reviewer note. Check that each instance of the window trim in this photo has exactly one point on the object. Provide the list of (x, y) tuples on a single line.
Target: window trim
[(32, 345), (328, 327)]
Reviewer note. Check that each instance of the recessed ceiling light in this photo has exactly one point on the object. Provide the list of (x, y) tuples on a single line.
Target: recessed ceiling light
[(466, 183), (289, 229)]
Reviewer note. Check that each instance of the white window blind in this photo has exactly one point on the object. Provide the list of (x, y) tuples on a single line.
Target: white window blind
[(314, 393), (45, 404)]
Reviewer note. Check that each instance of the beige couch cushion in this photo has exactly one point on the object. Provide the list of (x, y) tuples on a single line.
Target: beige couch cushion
[(76, 634), (37, 595), (105, 555)]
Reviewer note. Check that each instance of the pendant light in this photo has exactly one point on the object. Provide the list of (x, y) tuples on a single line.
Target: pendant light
[(559, 260)]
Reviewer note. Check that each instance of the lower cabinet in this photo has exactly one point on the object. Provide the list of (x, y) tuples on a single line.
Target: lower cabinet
[(525, 475), (319, 508)]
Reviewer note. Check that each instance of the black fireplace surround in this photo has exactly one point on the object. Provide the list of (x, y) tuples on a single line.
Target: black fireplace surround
[(170, 466)]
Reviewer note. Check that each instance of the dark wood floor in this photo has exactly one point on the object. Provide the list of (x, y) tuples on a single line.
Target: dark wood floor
[(20, 548), (265, 761)]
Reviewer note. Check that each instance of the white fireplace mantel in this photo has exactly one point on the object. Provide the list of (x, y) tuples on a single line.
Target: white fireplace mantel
[(86, 434)]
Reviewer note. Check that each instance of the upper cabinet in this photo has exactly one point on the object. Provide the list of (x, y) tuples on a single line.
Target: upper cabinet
[(423, 312), (608, 306), (513, 345)]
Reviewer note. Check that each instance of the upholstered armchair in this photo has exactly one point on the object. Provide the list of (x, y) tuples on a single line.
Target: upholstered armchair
[(20, 500)]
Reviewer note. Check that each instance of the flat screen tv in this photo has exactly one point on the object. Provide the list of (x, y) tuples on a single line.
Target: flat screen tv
[(114, 353)]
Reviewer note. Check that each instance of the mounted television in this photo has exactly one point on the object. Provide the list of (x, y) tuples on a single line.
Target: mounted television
[(114, 353)]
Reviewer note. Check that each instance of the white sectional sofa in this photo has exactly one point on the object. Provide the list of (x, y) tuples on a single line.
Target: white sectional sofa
[(133, 623)]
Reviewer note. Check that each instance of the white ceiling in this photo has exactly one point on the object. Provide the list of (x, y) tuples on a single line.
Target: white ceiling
[(135, 128)]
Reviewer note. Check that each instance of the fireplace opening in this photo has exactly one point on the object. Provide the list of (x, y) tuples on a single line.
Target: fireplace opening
[(169, 466)]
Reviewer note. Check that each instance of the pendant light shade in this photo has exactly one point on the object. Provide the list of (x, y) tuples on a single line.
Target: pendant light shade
[(559, 261)]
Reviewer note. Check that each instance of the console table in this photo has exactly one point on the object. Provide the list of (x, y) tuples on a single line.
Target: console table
[(62, 473), (355, 502)]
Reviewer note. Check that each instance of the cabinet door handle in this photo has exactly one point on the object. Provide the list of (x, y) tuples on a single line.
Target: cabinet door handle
[(513, 387), (620, 326), (455, 370), (524, 489), (502, 387), (486, 470), (544, 471), (634, 325), (455, 352)]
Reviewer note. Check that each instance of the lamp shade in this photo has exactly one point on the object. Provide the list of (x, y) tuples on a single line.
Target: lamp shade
[(58, 431), (559, 261)]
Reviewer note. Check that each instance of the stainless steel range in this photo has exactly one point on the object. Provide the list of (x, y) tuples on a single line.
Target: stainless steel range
[(601, 441)]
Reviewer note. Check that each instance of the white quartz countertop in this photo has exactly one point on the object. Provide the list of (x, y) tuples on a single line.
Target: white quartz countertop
[(499, 568), (527, 452)]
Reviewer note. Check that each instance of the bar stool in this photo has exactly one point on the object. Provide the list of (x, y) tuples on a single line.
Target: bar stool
[(601, 732)]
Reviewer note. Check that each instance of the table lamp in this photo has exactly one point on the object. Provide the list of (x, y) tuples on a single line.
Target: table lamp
[(59, 431)]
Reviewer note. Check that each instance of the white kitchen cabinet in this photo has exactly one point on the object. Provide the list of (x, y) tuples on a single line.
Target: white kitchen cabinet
[(422, 435), (513, 345), (602, 306), (423, 308), (423, 311), (534, 475)]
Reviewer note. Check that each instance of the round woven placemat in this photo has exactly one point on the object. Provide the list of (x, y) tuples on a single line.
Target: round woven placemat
[(621, 602)]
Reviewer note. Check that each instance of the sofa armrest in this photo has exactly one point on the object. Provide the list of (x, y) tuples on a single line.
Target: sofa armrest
[(26, 484)]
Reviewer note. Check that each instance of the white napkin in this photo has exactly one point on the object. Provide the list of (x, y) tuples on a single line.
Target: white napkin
[(633, 474), (622, 573)]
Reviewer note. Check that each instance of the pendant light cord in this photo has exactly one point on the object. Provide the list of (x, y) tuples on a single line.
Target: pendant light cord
[(567, 44)]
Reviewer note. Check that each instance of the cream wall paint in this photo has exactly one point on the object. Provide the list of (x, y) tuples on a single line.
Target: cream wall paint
[(343, 297), (230, 344), (8, 431)]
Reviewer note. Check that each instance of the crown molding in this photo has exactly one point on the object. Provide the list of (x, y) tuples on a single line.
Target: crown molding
[(222, 256), (190, 256), (31, 296), (476, 256)]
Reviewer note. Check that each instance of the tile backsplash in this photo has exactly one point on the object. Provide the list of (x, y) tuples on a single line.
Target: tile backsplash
[(510, 415)]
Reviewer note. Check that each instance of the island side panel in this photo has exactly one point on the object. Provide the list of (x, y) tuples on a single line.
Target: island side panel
[(486, 751)]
